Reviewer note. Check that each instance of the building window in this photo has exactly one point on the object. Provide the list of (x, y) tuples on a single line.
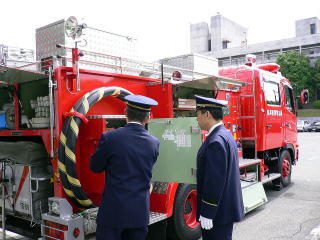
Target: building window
[(313, 28), (224, 44), (209, 45)]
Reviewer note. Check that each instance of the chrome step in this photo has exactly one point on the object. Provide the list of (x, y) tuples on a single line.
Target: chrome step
[(245, 184), (244, 162), (156, 217), (270, 177)]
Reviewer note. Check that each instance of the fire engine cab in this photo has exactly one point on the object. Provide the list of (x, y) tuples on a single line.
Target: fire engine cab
[(52, 117)]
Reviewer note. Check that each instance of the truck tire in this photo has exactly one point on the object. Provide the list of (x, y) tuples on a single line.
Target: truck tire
[(285, 169), (183, 224)]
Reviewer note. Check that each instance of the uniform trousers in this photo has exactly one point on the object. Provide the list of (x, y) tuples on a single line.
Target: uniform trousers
[(223, 232), (107, 233)]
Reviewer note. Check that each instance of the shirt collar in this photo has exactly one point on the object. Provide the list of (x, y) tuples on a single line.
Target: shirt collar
[(136, 123), (214, 126)]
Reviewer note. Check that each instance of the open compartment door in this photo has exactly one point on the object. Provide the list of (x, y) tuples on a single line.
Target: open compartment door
[(180, 139), (211, 83), (254, 196)]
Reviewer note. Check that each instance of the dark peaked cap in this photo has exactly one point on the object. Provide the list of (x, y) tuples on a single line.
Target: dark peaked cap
[(139, 102), (205, 102)]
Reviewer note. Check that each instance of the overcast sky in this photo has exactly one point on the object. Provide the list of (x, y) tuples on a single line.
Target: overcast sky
[(161, 27)]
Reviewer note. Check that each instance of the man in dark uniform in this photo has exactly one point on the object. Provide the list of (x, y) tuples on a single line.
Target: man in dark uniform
[(219, 199), (127, 155)]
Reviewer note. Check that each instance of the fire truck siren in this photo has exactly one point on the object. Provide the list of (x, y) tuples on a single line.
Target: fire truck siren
[(251, 59)]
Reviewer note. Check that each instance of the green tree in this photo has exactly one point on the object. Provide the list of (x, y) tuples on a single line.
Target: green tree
[(296, 67), (317, 78)]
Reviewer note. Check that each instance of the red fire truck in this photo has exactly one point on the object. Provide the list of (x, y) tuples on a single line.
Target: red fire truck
[(51, 122)]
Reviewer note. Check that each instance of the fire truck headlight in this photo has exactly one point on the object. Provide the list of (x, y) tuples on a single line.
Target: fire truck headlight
[(60, 207), (55, 208)]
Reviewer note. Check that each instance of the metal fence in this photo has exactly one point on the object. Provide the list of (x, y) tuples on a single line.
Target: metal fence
[(270, 57)]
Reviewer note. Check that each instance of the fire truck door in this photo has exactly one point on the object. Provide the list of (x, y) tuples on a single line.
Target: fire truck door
[(289, 111), (273, 113), (180, 139)]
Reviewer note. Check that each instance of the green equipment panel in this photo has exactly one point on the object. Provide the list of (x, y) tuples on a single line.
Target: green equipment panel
[(180, 139), (253, 196)]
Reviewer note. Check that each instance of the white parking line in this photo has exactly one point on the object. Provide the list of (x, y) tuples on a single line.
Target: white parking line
[(315, 234), (11, 235)]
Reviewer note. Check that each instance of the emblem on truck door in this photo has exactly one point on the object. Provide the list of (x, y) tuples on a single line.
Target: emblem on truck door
[(274, 112)]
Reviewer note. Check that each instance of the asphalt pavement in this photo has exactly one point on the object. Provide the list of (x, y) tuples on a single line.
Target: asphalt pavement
[(290, 214), (12, 236), (294, 212)]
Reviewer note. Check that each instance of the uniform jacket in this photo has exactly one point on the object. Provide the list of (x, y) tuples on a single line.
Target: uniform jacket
[(218, 179), (127, 155)]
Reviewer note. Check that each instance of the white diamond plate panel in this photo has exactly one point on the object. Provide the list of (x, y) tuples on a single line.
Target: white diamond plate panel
[(109, 50), (156, 217), (47, 38)]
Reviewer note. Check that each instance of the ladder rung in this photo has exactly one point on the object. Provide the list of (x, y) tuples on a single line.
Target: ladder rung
[(247, 117), (251, 95), (106, 116), (248, 138), (270, 177)]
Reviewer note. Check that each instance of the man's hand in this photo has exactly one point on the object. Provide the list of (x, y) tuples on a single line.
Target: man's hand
[(206, 223)]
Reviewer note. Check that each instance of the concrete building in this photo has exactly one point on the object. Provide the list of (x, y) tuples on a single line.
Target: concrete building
[(227, 41)]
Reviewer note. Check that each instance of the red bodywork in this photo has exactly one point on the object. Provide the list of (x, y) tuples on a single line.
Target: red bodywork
[(275, 123), (66, 96), (90, 133), (240, 122)]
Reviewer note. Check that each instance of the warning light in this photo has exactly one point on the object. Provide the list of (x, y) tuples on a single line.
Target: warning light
[(250, 59), (76, 232)]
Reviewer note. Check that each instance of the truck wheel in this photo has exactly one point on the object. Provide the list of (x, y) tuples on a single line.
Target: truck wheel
[(183, 224), (285, 170)]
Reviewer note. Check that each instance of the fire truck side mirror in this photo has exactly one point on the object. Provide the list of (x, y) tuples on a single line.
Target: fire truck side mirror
[(176, 75), (304, 96)]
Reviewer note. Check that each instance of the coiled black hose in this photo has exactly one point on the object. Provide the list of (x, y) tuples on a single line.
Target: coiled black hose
[(68, 141)]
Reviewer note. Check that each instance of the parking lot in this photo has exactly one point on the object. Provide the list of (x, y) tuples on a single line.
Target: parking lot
[(295, 211), (291, 213), (308, 125)]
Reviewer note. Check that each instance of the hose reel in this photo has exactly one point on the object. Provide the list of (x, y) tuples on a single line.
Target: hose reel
[(68, 141)]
